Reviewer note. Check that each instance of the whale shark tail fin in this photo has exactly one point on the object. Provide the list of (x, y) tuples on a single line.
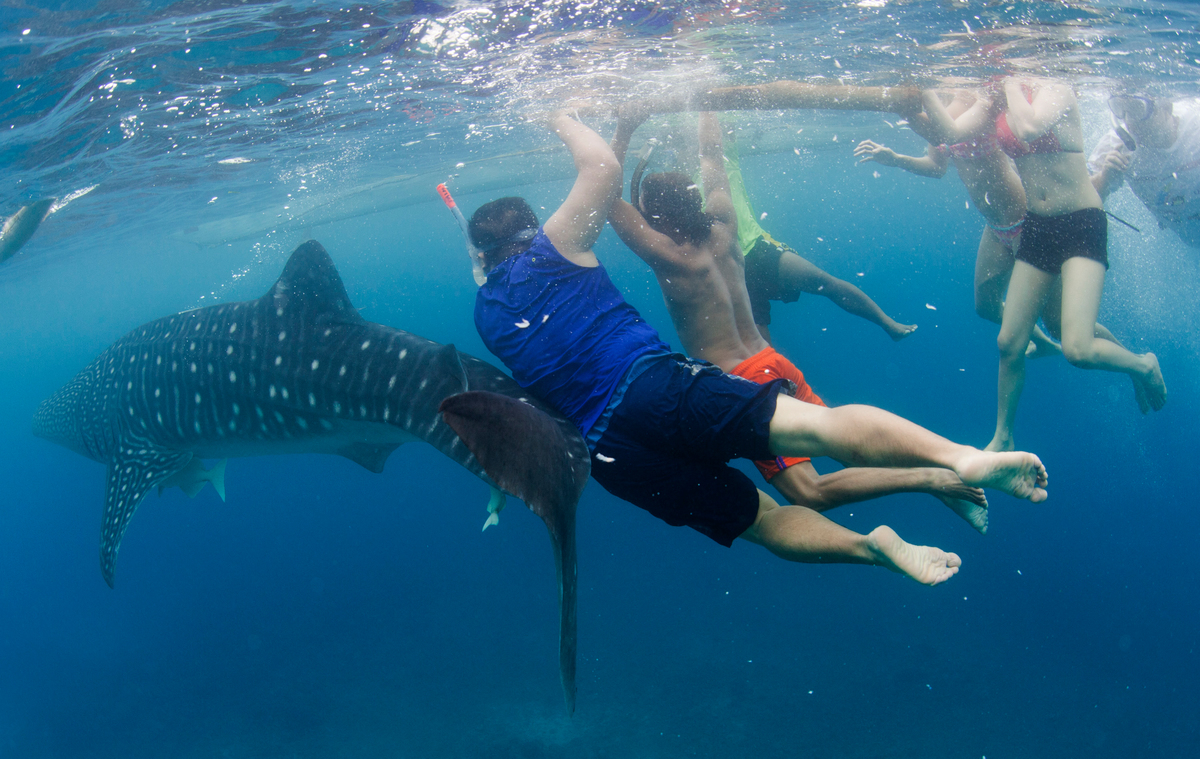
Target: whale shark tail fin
[(528, 455)]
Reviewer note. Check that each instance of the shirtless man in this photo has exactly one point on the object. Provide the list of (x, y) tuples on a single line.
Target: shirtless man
[(661, 427), (696, 257)]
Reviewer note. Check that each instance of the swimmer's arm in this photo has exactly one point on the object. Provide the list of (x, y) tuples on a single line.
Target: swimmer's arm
[(1029, 121), (932, 164), (648, 244), (1108, 164), (574, 227), (629, 117), (717, 198), (974, 122)]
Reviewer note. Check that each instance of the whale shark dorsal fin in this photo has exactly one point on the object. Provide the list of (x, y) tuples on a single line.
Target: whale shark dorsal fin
[(311, 282), (369, 457), (135, 468)]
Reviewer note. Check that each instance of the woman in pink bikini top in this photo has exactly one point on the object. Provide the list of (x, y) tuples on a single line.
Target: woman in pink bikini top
[(1065, 238)]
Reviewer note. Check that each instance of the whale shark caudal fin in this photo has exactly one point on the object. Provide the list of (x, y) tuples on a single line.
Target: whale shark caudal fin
[(527, 454), (135, 468)]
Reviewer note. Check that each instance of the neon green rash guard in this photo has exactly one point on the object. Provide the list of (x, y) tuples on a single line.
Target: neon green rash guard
[(749, 232)]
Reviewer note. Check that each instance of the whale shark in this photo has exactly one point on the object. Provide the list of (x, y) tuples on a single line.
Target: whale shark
[(300, 371)]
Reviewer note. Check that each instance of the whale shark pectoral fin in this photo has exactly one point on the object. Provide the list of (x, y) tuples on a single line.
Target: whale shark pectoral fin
[(133, 471), (369, 457), (527, 453)]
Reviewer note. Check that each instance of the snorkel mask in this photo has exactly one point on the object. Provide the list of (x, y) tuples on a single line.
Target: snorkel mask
[(1129, 109), (525, 235)]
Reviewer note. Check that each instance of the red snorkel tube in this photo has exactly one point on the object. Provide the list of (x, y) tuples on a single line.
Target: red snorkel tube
[(472, 251)]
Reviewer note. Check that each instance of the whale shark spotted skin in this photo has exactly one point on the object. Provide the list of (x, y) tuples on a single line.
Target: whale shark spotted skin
[(299, 371)]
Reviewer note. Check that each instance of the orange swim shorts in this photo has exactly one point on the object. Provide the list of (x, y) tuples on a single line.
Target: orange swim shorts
[(763, 367)]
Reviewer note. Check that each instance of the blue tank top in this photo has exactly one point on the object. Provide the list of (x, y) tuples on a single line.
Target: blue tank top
[(563, 330)]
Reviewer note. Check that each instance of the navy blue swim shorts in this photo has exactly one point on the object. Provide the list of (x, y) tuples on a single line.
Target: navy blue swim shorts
[(669, 440)]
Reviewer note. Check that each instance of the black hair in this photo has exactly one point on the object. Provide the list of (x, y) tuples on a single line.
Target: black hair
[(493, 225), (672, 205)]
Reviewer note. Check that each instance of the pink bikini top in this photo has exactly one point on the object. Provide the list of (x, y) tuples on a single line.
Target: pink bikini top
[(1047, 143)]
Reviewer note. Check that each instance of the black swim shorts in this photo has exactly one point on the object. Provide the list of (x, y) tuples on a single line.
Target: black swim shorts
[(1048, 241), (669, 439), (762, 279)]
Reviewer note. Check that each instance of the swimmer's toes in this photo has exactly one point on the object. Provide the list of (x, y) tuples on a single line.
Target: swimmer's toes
[(974, 514), (1139, 393), (901, 331), (1156, 387)]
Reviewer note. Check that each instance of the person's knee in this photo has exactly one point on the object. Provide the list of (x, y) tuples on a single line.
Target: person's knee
[(799, 488), (1011, 344), (1077, 349)]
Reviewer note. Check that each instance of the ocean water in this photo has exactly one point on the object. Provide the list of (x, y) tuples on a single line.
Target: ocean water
[(324, 611)]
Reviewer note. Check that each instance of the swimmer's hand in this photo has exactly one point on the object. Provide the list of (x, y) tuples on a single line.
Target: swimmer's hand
[(630, 115), (1110, 171), (873, 151), (1115, 162)]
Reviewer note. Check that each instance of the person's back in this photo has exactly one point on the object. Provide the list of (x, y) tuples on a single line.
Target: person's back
[(548, 309), (691, 245)]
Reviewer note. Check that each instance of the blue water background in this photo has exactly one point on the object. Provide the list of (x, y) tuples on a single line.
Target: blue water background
[(324, 611)]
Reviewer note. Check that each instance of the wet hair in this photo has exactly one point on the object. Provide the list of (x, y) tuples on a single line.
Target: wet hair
[(494, 226), (672, 205)]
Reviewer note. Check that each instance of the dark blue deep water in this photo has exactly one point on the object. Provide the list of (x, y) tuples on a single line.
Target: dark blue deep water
[(324, 611)]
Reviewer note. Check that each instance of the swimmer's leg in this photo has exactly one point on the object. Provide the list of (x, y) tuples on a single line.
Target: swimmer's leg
[(1027, 292), (797, 273), (802, 485), (993, 268), (800, 534), (1083, 284), (869, 436)]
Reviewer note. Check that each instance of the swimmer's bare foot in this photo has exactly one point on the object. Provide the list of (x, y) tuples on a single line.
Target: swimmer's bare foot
[(1041, 347), (925, 564), (898, 331), (968, 502), (1139, 394), (1017, 473), (1152, 381), (975, 514), (944, 483)]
